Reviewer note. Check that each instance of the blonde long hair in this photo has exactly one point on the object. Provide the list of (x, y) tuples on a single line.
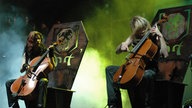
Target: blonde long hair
[(139, 24)]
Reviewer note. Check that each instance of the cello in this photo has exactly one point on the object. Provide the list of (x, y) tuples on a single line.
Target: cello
[(132, 71), (25, 85)]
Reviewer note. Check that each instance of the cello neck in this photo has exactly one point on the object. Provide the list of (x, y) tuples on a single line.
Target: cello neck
[(143, 39), (40, 60), (135, 49)]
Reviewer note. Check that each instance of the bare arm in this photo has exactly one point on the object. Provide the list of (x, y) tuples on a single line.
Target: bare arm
[(163, 46), (124, 46), (25, 64), (51, 56)]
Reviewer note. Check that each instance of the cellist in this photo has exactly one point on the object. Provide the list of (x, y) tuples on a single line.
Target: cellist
[(34, 47), (141, 94)]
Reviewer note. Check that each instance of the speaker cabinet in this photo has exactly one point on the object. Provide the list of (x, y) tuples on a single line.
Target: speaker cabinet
[(59, 98), (168, 94)]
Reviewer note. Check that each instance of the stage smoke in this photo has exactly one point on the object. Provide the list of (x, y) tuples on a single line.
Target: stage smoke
[(11, 49)]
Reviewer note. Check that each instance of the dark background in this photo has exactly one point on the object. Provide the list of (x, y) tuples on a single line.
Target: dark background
[(50, 11)]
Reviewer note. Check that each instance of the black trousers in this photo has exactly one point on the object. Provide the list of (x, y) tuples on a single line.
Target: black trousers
[(140, 96), (38, 102)]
